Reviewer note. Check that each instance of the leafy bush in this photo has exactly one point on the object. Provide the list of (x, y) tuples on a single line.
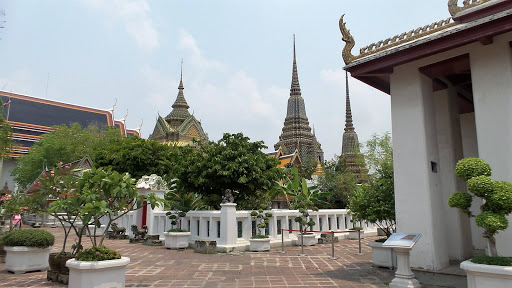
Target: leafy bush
[(489, 260), (497, 196), (470, 167), (30, 238), (260, 237), (97, 253), (262, 219), (356, 228), (177, 230), (461, 200), (481, 185)]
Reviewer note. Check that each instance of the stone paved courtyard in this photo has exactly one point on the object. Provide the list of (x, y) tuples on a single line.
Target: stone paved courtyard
[(160, 267)]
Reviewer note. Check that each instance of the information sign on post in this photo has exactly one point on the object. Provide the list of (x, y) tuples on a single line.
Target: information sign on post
[(402, 243)]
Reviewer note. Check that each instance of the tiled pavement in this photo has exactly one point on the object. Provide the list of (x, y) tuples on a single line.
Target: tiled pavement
[(159, 267)]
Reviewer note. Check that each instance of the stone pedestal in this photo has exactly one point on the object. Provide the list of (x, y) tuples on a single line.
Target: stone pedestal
[(404, 278), (228, 226)]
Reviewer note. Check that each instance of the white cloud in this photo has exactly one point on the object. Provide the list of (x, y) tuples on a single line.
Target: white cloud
[(135, 16), (188, 43)]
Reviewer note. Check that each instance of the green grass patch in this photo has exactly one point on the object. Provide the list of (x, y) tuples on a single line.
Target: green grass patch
[(489, 260)]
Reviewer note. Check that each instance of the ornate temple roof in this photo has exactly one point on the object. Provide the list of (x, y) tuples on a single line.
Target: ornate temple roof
[(179, 127), (180, 106), (474, 21), (296, 133)]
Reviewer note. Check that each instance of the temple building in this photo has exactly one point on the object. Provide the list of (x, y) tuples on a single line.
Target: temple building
[(296, 133), (350, 143), (31, 118), (179, 127), (449, 84)]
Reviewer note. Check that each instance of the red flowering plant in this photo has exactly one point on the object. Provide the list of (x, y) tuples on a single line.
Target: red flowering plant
[(10, 205)]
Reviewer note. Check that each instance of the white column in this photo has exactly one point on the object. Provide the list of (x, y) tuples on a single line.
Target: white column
[(491, 74), (449, 142), (470, 149), (228, 229), (419, 204)]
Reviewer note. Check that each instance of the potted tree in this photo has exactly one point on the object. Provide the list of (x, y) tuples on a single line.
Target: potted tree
[(179, 203), (176, 237), (260, 242), (485, 271), (109, 195), (304, 198), (374, 201), (27, 250)]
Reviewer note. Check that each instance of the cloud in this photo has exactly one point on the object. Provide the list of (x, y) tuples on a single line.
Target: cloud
[(189, 44), (135, 16)]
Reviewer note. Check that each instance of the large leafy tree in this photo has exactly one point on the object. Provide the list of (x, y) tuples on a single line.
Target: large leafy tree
[(375, 201), (338, 181), (5, 133), (65, 144), (233, 162), (140, 157)]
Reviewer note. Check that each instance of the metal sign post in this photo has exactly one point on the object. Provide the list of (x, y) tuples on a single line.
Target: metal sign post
[(332, 242), (282, 241)]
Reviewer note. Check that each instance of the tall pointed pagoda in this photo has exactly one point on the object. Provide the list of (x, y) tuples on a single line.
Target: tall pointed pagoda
[(179, 127), (350, 143), (296, 133)]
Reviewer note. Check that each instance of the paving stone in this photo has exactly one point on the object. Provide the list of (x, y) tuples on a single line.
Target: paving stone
[(154, 266)]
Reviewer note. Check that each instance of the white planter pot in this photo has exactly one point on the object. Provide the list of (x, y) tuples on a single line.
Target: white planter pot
[(21, 259), (176, 240), (99, 231), (309, 239), (259, 245), (109, 273), (382, 256), (354, 235), (481, 275)]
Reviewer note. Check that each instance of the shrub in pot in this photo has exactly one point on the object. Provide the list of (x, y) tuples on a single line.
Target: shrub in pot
[(179, 203), (260, 242), (27, 250), (374, 201), (109, 195), (497, 196), (176, 237)]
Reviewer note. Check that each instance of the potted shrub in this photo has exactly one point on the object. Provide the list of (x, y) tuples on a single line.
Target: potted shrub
[(304, 198), (497, 195), (97, 266), (176, 238), (305, 238), (260, 242), (27, 250), (107, 194), (354, 233), (374, 201), (179, 202)]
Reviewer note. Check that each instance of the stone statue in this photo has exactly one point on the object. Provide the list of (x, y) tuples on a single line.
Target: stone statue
[(228, 197)]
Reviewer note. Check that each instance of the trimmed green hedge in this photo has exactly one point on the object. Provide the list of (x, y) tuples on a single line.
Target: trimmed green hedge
[(177, 230), (30, 238), (489, 260), (97, 253)]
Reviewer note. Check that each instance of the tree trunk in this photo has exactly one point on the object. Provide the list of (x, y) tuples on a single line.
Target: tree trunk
[(491, 245)]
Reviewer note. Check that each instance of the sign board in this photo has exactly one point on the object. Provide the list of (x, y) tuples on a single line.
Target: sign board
[(402, 240)]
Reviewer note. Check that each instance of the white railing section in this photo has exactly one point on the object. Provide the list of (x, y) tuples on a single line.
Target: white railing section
[(209, 225)]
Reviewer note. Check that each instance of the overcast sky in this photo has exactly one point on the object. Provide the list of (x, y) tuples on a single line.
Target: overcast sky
[(237, 59)]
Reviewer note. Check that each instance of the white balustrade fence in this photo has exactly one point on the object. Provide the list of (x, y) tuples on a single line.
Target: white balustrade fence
[(233, 229)]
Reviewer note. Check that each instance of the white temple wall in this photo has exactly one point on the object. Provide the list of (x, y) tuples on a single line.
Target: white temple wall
[(449, 138), (491, 73), (419, 207), (470, 149)]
